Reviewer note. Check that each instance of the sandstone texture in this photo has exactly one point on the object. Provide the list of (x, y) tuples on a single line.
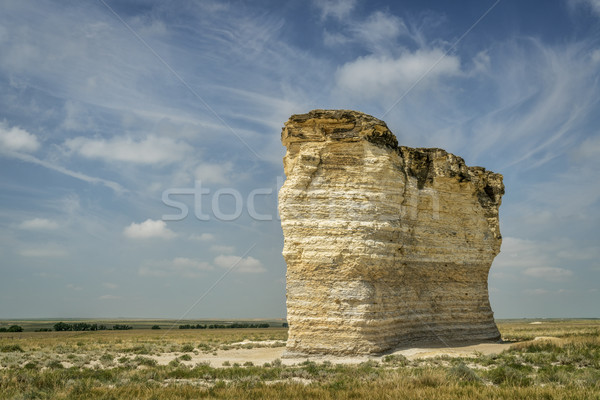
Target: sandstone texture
[(386, 246)]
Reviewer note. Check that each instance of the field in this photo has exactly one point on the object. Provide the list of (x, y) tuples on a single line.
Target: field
[(549, 359)]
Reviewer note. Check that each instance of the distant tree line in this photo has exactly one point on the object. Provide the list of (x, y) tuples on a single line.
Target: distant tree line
[(12, 328), (78, 326), (122, 327), (84, 326), (219, 326)]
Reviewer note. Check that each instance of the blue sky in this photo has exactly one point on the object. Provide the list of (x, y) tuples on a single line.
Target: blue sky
[(105, 105)]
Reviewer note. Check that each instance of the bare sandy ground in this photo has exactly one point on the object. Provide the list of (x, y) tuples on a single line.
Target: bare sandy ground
[(261, 355)]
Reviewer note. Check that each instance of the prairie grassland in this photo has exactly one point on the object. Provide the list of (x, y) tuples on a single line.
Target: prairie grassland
[(122, 364), (157, 339), (530, 329)]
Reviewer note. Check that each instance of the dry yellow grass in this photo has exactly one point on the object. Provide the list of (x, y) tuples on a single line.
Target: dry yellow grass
[(122, 364)]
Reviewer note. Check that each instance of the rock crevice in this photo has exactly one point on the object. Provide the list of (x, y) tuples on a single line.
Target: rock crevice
[(386, 245)]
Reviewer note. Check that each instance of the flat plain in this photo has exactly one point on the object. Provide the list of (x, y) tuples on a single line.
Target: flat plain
[(550, 359)]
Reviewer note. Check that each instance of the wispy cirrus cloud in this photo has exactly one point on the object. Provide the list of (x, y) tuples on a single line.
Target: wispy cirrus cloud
[(149, 150), (99, 107), (214, 173), (177, 267), (39, 224), (219, 248), (43, 251), (109, 297), (337, 9), (593, 5), (549, 273)]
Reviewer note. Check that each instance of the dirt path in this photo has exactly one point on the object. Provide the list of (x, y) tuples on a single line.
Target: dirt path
[(261, 355)]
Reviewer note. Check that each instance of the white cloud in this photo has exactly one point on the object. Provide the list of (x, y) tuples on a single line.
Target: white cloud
[(149, 229), (379, 28), (338, 9), (481, 62), (213, 173), (17, 139), (222, 249), (373, 76), (377, 32), (74, 287), (150, 150), (38, 224), (548, 273), (248, 264), (179, 266), (589, 150), (203, 237)]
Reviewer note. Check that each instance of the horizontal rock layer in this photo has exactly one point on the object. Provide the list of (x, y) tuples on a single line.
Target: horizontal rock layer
[(385, 245)]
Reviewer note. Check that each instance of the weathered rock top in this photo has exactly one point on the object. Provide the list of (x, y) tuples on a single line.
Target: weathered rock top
[(422, 163), (340, 125)]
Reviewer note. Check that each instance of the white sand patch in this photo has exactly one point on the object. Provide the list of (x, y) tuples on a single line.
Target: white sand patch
[(261, 355)]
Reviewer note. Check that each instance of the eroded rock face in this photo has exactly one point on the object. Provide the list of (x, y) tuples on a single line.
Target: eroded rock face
[(386, 246)]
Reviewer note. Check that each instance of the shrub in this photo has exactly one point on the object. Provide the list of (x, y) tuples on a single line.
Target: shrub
[(509, 376), (107, 359), (276, 363), (54, 364), (31, 365), (186, 357), (463, 373), (149, 362), (11, 348), (174, 363), (155, 327), (186, 348), (122, 327), (138, 350), (14, 328), (396, 359)]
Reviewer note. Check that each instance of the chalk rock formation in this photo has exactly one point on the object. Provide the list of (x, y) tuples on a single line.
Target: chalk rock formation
[(386, 246)]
